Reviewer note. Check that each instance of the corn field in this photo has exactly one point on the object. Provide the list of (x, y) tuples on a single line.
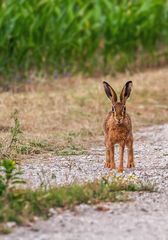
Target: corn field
[(77, 36)]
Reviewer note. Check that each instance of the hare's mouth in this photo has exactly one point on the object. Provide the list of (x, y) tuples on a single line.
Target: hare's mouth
[(119, 122)]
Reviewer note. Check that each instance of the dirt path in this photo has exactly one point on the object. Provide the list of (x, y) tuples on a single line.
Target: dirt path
[(146, 217)]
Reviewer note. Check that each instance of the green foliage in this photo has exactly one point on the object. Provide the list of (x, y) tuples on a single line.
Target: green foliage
[(24, 204), (70, 149), (17, 144), (15, 134), (10, 149), (10, 176), (63, 35), (34, 147), (16, 129)]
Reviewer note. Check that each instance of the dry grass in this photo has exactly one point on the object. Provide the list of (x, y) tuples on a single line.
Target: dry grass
[(69, 113)]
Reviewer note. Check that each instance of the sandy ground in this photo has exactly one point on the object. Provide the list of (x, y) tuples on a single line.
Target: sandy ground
[(145, 217)]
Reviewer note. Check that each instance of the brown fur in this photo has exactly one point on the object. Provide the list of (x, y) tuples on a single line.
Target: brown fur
[(118, 128)]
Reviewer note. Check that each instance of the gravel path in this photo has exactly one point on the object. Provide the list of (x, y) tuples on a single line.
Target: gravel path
[(146, 217)]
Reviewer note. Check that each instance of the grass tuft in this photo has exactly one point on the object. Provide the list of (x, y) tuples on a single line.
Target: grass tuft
[(21, 205), (70, 150)]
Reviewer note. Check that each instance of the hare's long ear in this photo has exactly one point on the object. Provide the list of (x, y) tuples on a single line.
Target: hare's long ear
[(110, 92), (125, 93)]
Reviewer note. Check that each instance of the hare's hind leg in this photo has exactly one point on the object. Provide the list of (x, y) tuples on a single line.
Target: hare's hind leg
[(130, 163), (110, 163)]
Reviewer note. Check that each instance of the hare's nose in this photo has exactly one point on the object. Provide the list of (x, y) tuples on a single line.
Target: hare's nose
[(119, 121)]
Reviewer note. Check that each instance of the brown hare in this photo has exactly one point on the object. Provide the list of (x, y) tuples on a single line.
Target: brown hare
[(118, 127)]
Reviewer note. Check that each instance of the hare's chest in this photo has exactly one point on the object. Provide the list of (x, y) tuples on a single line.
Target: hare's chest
[(118, 135)]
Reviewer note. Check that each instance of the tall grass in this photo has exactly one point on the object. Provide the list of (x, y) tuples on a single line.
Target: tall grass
[(68, 36)]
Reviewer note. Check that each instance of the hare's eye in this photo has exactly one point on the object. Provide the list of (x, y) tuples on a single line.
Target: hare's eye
[(113, 110)]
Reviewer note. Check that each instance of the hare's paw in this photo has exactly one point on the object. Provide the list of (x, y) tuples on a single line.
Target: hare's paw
[(131, 165), (120, 170), (107, 164), (112, 166)]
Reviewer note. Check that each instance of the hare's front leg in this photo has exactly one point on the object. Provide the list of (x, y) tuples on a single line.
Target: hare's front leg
[(121, 163), (110, 163), (130, 155)]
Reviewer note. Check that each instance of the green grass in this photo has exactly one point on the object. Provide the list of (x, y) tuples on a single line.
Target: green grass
[(63, 36), (21, 206), (39, 147), (70, 150), (36, 146)]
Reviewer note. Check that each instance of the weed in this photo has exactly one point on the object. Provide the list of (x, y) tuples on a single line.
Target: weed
[(70, 149), (4, 229), (24, 149), (8, 151), (10, 176), (16, 130), (34, 147), (24, 204)]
